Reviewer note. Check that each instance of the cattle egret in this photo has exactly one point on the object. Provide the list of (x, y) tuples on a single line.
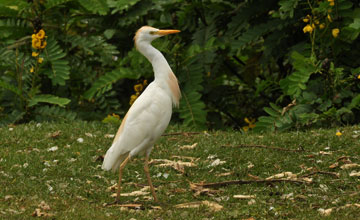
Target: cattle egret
[(150, 114)]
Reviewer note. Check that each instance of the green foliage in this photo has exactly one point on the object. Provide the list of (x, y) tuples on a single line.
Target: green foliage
[(104, 82), (48, 99), (53, 113), (59, 69), (232, 59)]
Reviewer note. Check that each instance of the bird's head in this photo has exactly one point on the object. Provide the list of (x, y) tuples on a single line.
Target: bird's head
[(147, 34)]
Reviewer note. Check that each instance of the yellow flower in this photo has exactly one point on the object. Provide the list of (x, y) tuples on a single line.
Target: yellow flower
[(138, 87), (306, 20), (322, 26), (313, 26), (132, 99), (40, 34), (43, 45), (34, 54), (331, 2), (335, 32), (329, 18), (358, 76), (308, 28), (145, 82), (36, 43), (317, 21), (33, 36), (250, 123), (40, 60), (338, 133), (32, 69)]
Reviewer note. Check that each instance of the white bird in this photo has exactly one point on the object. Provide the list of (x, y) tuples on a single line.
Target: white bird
[(150, 114)]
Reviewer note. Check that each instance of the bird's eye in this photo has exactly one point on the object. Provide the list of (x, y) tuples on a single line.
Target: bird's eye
[(152, 32)]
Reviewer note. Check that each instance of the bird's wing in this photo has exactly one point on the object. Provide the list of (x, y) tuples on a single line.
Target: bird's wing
[(143, 124)]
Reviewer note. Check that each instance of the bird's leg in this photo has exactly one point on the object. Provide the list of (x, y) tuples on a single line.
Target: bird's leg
[(120, 178), (146, 168)]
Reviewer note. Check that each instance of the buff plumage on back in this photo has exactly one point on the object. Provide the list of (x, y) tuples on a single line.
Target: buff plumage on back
[(175, 89)]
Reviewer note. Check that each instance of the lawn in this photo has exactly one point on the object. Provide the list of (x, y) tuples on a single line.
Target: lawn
[(53, 170)]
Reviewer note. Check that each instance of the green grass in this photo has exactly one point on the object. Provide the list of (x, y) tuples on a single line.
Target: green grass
[(70, 180)]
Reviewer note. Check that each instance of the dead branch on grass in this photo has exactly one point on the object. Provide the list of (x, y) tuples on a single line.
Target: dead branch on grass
[(265, 147), (181, 133), (241, 182), (337, 175)]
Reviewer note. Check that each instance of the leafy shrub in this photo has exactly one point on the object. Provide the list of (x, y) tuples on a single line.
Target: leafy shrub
[(290, 60)]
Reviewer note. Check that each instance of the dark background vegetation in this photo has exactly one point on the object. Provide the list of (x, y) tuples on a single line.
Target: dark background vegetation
[(234, 60)]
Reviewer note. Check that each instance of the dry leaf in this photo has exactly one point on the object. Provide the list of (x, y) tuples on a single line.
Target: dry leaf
[(188, 205), (44, 206), (224, 174), (325, 212), (254, 177), (89, 134), (188, 147), (324, 153), (307, 179), (192, 159), (217, 162), (199, 190), (55, 134), (334, 165), (287, 175), (141, 192), (112, 188), (41, 210), (252, 202), (344, 159), (8, 197), (52, 149), (349, 166), (212, 205), (354, 173), (80, 140), (109, 136), (129, 206), (250, 165), (244, 196), (177, 165)]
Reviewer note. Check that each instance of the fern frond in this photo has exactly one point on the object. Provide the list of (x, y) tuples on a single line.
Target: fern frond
[(96, 6), (108, 79), (51, 99), (120, 5), (192, 108), (53, 3), (59, 70), (54, 113), (11, 88), (11, 118)]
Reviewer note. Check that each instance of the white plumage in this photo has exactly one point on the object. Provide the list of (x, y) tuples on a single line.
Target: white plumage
[(150, 114)]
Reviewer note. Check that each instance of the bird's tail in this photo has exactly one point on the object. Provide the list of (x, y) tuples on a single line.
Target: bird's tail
[(113, 159)]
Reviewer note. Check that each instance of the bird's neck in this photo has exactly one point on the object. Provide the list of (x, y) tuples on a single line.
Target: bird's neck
[(157, 59), (162, 71)]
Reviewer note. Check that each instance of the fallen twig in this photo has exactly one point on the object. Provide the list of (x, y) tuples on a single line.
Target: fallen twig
[(322, 172), (241, 182), (181, 133), (265, 147)]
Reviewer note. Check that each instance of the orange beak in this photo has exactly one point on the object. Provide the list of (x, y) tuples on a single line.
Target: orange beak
[(166, 32)]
